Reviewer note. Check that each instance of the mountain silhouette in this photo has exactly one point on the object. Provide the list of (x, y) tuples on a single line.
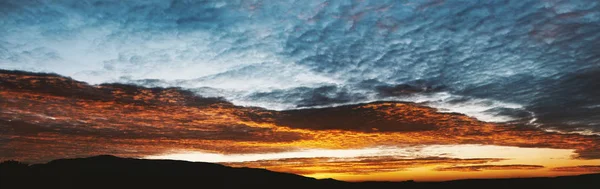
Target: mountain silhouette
[(107, 171)]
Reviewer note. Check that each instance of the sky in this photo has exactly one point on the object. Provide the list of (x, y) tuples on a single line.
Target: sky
[(354, 89)]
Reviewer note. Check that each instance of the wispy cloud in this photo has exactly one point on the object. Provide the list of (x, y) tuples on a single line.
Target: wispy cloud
[(490, 167), (355, 165), (580, 168)]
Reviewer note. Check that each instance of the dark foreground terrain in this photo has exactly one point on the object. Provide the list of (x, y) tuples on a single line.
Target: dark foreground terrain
[(115, 172)]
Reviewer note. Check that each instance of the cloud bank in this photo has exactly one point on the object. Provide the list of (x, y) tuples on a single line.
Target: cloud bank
[(48, 116), (534, 62), (45, 111)]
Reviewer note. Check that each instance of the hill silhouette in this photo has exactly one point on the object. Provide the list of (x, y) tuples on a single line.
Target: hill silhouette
[(114, 172)]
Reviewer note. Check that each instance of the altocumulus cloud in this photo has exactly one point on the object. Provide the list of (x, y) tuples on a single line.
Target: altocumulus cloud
[(529, 61)]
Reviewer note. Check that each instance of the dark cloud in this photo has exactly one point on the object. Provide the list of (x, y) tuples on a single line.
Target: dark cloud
[(581, 100), (308, 97), (581, 168), (406, 89), (490, 167), (355, 165), (352, 117)]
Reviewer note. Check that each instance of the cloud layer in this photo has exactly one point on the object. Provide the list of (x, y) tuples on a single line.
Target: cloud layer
[(530, 61), (61, 111), (47, 116), (355, 165)]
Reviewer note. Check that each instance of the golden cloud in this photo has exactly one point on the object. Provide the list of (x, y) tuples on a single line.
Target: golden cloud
[(45, 116)]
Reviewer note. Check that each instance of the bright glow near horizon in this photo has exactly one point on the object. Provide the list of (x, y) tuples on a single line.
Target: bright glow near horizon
[(449, 151), (506, 155)]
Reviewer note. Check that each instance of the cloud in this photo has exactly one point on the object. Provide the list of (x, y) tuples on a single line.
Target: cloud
[(310, 97), (359, 118), (46, 112), (580, 168), (288, 54), (403, 89), (353, 166), (490, 167)]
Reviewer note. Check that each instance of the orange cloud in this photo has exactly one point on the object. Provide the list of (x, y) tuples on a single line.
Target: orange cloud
[(45, 116)]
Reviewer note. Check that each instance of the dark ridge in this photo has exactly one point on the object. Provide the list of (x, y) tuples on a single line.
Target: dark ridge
[(113, 172)]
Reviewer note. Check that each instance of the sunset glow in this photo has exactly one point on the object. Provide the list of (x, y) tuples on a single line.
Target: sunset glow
[(430, 90), (433, 163)]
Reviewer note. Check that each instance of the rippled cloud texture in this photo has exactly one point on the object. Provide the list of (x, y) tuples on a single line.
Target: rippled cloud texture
[(531, 61)]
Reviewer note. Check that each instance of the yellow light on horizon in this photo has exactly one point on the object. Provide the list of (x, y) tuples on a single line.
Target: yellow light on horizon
[(546, 157)]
